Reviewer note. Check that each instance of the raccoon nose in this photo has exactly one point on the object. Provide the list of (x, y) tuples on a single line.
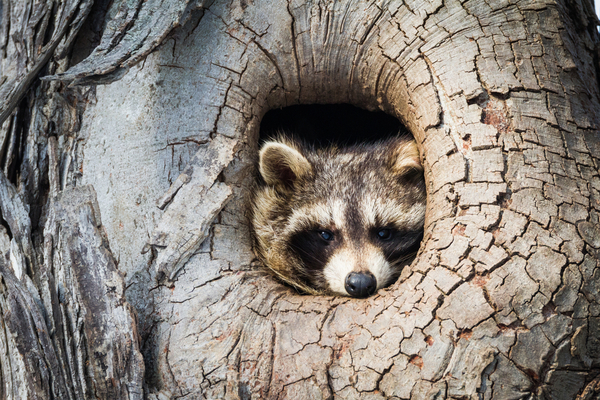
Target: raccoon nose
[(360, 284)]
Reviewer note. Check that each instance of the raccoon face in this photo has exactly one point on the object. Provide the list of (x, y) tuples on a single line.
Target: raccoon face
[(339, 221)]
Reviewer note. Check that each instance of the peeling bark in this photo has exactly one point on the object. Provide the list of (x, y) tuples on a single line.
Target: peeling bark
[(502, 300), (67, 331)]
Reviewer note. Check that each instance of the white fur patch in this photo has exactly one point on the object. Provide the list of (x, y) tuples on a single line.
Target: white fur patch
[(336, 270), (348, 260), (338, 211), (379, 267), (325, 215)]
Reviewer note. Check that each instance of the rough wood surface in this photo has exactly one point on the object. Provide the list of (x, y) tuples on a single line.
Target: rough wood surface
[(68, 333), (90, 313), (31, 33), (503, 98), (133, 30)]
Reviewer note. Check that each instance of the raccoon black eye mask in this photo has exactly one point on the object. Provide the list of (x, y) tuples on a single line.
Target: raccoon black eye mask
[(341, 221)]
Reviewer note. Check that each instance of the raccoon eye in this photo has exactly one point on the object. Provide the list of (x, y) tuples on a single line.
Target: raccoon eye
[(326, 235), (384, 234)]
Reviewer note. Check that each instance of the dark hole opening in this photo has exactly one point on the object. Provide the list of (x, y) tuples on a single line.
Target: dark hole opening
[(308, 250), (342, 124)]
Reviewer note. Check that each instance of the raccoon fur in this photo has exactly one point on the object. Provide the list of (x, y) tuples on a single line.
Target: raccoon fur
[(341, 221)]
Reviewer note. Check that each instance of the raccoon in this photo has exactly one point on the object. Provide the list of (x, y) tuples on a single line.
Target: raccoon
[(341, 221)]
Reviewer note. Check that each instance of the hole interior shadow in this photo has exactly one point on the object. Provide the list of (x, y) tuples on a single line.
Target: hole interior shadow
[(321, 125)]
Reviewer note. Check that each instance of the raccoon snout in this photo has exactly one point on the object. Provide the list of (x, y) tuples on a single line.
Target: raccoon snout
[(360, 284)]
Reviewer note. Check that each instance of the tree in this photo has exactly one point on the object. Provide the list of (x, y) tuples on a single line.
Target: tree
[(148, 114)]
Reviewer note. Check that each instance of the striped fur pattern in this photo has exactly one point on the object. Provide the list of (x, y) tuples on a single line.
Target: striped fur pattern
[(320, 214)]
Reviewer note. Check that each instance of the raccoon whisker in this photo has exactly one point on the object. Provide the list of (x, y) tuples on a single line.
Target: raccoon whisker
[(305, 252), (405, 257), (294, 283)]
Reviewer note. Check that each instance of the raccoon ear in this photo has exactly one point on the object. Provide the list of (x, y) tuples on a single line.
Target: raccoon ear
[(406, 158), (280, 164)]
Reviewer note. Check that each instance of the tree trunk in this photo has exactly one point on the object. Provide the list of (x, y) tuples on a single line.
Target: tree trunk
[(502, 301)]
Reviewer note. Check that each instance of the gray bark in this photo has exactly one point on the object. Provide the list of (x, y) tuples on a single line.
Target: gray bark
[(67, 331), (501, 302)]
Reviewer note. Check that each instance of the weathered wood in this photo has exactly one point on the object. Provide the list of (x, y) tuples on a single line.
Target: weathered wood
[(135, 29), (39, 30), (96, 323), (503, 299), (68, 332), (199, 199)]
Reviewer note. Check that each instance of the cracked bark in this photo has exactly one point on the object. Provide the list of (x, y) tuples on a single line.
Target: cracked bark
[(502, 302)]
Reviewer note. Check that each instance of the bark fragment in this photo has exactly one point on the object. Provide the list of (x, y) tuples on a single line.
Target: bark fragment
[(69, 332)]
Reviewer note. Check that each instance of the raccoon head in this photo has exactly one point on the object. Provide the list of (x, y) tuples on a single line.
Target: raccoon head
[(339, 221)]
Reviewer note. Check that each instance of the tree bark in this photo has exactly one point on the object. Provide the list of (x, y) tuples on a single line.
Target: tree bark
[(502, 301), (67, 331)]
